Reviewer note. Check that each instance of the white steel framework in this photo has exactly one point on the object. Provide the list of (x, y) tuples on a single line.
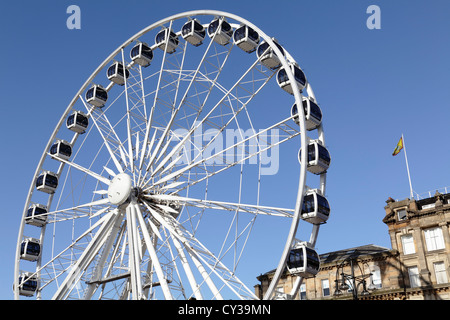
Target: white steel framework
[(146, 207)]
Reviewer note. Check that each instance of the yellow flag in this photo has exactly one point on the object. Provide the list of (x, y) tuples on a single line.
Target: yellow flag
[(399, 147)]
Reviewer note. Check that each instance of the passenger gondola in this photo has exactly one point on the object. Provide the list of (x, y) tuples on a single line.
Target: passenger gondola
[(36, 215), (167, 40), (313, 113), (142, 54), (246, 38), (47, 182), (30, 249), (303, 261), (27, 284), (77, 122), (267, 56), (116, 73), (97, 96), (220, 31), (316, 208), (61, 149), (193, 32), (284, 82), (318, 158)]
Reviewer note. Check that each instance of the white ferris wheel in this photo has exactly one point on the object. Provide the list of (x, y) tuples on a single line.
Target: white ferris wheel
[(153, 180)]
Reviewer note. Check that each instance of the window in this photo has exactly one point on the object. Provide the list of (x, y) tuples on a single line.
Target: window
[(308, 203), (401, 214), (135, 51), (375, 278), (408, 244), (440, 272), (313, 109), (198, 26), (299, 76), (303, 291), (324, 155), (428, 206), (160, 37), (434, 239), (101, 94), (89, 93), (54, 149), (112, 70), (40, 180), (312, 259), (252, 34), (414, 280), (325, 288), (239, 33), (295, 259), (311, 148), (324, 206), (213, 26)]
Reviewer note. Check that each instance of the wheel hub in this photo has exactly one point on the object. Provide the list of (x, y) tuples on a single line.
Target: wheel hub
[(120, 189)]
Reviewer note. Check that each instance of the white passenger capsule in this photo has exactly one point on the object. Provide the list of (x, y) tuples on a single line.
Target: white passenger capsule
[(47, 182), (318, 158), (97, 96), (77, 122), (142, 54), (220, 31), (193, 32), (27, 284), (246, 38), (313, 113), (315, 208), (36, 215), (30, 249), (267, 56), (61, 149), (303, 261), (285, 83), (167, 40), (117, 74)]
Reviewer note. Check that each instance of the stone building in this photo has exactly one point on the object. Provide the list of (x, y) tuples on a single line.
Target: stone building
[(415, 268)]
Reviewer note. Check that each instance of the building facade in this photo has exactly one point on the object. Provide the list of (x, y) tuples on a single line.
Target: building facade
[(415, 268)]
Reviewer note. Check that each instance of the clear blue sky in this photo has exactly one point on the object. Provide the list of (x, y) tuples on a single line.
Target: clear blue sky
[(373, 85)]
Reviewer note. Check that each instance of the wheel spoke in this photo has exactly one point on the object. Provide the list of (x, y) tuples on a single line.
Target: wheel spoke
[(192, 254), (152, 252), (221, 205), (196, 126), (133, 254), (187, 269), (83, 169), (202, 254), (261, 136), (160, 148), (159, 152), (78, 211), (98, 269), (149, 122), (86, 258), (106, 141), (130, 146)]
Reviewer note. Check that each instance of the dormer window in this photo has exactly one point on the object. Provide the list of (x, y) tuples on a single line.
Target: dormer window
[(429, 206), (401, 214)]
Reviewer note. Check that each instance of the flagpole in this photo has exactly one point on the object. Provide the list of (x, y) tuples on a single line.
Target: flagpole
[(407, 168)]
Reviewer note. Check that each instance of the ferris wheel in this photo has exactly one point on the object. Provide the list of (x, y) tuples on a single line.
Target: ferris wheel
[(153, 183)]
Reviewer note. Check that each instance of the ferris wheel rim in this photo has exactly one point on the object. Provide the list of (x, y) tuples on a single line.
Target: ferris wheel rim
[(285, 64)]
